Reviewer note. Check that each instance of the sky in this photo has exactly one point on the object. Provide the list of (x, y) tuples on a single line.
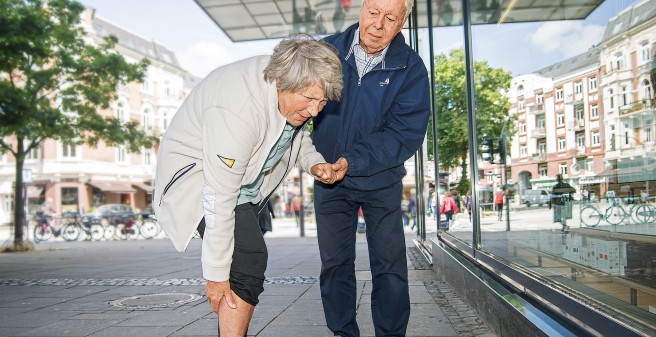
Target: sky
[(201, 46)]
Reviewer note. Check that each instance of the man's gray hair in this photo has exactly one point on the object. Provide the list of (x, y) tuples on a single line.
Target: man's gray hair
[(408, 7), (300, 61)]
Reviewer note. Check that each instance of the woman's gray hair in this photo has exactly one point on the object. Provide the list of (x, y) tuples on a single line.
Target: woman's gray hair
[(300, 61)]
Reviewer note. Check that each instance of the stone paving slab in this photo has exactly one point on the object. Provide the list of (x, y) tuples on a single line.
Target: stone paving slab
[(146, 288)]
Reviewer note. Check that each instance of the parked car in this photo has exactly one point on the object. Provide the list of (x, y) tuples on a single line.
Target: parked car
[(536, 197), (110, 214)]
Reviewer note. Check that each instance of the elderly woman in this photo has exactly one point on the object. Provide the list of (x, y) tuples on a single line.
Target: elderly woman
[(232, 142)]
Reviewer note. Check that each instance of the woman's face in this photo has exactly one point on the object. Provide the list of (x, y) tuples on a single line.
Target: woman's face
[(297, 107)]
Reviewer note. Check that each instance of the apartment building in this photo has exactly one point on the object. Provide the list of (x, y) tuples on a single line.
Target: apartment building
[(626, 65), (80, 177)]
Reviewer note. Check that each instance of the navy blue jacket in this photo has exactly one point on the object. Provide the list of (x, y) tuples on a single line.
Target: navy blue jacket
[(380, 121)]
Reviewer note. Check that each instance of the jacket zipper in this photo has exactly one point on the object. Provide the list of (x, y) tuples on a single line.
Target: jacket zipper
[(181, 172)]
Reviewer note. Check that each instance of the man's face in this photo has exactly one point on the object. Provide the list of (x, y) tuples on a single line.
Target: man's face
[(380, 21), (297, 107)]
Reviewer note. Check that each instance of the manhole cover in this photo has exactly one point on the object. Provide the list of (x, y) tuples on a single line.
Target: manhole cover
[(155, 300)]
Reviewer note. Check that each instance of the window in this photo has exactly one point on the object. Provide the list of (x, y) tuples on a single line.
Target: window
[(539, 123), (147, 156), (542, 146), (594, 111), (165, 120), (589, 166), (619, 61), (522, 127), (646, 52), (542, 171), (145, 86), (561, 143), (521, 105), (562, 168), (539, 99), (559, 94), (593, 83), (647, 137), (34, 153), (560, 118), (578, 87), (147, 120), (611, 99), (626, 134), (595, 137), (579, 113), (646, 90), (120, 112), (167, 89), (121, 154), (523, 151), (625, 96), (580, 139), (69, 150), (490, 176)]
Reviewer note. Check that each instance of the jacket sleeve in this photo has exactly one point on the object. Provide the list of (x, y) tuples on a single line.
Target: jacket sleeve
[(402, 132), (308, 155), (228, 142)]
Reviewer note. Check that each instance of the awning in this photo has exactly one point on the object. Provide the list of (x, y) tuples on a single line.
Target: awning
[(144, 187), (34, 192), (270, 19), (112, 186)]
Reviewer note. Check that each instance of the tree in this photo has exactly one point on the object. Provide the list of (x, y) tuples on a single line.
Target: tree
[(492, 109), (53, 81)]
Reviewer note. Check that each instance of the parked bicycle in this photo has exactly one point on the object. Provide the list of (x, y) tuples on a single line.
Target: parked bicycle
[(616, 213), (64, 227), (148, 227)]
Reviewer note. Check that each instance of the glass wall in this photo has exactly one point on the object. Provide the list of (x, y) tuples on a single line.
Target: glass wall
[(556, 150)]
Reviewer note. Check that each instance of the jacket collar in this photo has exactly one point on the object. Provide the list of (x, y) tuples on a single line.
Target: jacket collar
[(397, 53)]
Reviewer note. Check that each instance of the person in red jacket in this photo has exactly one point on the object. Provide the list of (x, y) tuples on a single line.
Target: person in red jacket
[(498, 202), (448, 207)]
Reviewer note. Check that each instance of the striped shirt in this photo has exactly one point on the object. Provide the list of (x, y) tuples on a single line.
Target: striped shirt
[(363, 61)]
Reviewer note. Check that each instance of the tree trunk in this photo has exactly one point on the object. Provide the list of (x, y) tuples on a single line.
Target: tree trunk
[(19, 198)]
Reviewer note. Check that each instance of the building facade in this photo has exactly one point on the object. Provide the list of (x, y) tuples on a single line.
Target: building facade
[(80, 177)]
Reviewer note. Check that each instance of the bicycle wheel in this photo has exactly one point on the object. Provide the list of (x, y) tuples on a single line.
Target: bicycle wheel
[(96, 232), (125, 232), (590, 216), (148, 229), (109, 232), (615, 215), (71, 232), (644, 214), (42, 232)]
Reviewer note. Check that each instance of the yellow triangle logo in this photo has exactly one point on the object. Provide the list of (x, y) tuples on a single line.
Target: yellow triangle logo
[(227, 161)]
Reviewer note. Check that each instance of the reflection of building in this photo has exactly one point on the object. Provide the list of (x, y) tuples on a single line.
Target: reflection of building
[(627, 49), (81, 177), (559, 124)]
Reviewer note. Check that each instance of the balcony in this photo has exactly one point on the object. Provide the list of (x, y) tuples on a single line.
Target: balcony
[(577, 125), (580, 152), (635, 107), (536, 109), (539, 157), (539, 133)]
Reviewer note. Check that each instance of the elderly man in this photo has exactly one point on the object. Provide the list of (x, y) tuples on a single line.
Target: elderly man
[(235, 138), (378, 125)]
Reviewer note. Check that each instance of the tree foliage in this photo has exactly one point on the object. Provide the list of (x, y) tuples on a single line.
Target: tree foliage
[(54, 79), (492, 107)]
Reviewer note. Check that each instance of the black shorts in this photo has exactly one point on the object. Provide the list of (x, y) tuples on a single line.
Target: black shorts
[(249, 258)]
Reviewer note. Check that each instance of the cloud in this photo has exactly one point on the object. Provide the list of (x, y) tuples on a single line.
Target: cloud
[(566, 37), (202, 57)]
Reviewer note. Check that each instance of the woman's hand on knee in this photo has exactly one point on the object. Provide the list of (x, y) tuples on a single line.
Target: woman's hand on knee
[(216, 292)]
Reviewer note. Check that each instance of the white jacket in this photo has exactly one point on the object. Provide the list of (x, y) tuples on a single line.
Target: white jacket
[(218, 141)]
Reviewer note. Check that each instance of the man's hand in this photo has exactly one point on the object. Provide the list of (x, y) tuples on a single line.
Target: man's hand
[(340, 167), (324, 173), (216, 291)]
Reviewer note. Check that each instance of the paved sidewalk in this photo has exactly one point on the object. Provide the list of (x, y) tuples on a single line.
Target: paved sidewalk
[(146, 288)]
